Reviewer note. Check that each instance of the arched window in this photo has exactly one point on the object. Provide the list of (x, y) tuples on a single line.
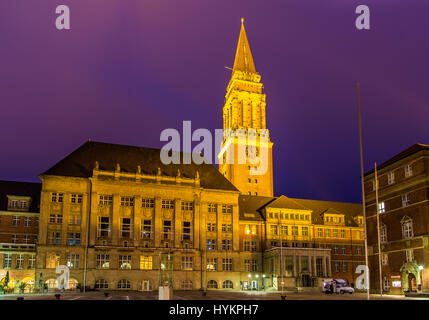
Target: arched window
[(407, 227), (227, 284), (212, 284), (101, 284), (124, 284), (73, 284), (187, 285), (51, 283)]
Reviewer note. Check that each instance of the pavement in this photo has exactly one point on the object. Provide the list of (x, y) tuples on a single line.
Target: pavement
[(197, 295)]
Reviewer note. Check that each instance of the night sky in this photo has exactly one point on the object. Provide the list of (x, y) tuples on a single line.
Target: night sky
[(128, 69)]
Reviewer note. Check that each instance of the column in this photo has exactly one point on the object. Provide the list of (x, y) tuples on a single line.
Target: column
[(177, 223), (137, 219), (115, 226), (157, 222)]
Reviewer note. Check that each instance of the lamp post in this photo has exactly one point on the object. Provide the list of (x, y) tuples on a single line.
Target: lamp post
[(263, 282)]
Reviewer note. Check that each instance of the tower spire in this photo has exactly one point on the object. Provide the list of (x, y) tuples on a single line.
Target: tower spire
[(243, 57)]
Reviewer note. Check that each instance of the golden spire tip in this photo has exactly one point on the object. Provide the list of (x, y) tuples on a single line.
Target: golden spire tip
[(242, 20)]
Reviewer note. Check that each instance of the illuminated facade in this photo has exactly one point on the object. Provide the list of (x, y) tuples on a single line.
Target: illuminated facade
[(244, 110), (19, 219)]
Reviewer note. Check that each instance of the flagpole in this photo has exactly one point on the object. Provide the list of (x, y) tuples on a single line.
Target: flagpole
[(378, 230), (363, 191)]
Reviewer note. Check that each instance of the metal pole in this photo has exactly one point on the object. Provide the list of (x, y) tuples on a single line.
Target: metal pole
[(363, 189), (378, 230)]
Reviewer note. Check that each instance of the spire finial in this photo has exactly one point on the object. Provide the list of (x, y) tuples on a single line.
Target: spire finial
[(242, 20)]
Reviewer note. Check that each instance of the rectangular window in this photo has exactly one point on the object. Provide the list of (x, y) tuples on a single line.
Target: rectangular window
[(408, 171), (187, 206), (319, 267), (227, 227), (320, 232), (343, 233), (358, 250), (254, 266), (226, 245), (186, 230), (124, 262), (105, 200), (27, 221), (227, 264), (246, 245), (407, 229), (289, 266), (145, 262), (211, 244), (384, 259), (54, 238), (167, 204), (226, 208), (103, 261), (127, 201), (52, 260), (383, 234), (74, 238), (148, 203), (344, 250), (75, 219), (335, 249), (304, 264), (166, 232), (76, 198), (409, 255), (211, 227), (294, 230), (26, 239), (57, 197), (187, 263), (335, 233), (328, 233), (254, 246), (345, 267), (381, 207), (16, 220), (405, 199), (284, 230), (211, 264), (305, 231), (31, 261), (7, 261), (337, 266), (126, 228), (19, 261), (212, 207), (14, 238), (247, 265), (273, 228), (146, 229), (73, 261), (103, 227), (391, 177)]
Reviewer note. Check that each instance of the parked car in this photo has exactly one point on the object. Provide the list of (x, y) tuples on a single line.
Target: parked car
[(340, 286)]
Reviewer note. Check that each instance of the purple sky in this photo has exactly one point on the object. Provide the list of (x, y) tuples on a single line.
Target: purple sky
[(131, 68)]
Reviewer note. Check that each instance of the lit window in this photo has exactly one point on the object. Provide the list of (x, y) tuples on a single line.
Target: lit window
[(52, 260), (103, 261), (211, 244), (73, 261), (381, 207), (16, 220), (211, 264), (146, 262), (385, 259), (187, 263), (124, 262)]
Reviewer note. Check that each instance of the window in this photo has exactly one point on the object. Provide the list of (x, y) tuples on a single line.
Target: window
[(74, 238), (335, 249), (383, 233), (103, 261), (127, 201), (124, 262), (26, 239), (212, 207), (103, 227), (19, 261), (212, 284), (343, 250), (14, 238), (320, 232), (228, 228), (385, 259), (337, 266), (328, 233), (273, 228), (14, 204), (106, 200), (36, 221), (246, 245), (126, 228), (187, 263), (294, 230), (247, 265), (386, 284), (381, 208), (148, 203), (407, 228), (319, 267), (167, 204), (226, 208), (284, 230), (54, 237), (146, 262), (146, 229), (274, 243), (75, 219), (408, 171), (211, 244), (211, 264), (187, 206), (57, 197), (335, 233), (391, 177), (52, 260), (405, 199), (76, 198), (31, 261), (254, 246), (344, 266), (7, 261), (211, 227), (254, 266), (409, 255), (358, 250), (227, 264), (186, 230), (227, 284), (166, 232), (187, 285), (73, 261), (101, 284), (16, 220), (124, 284), (305, 231), (343, 233), (226, 244), (27, 221)]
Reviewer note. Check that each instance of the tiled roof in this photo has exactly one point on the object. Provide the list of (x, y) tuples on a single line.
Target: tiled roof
[(80, 163), (249, 205)]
